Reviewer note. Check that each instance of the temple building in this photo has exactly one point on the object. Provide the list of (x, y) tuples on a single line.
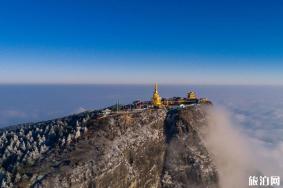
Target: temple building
[(192, 95), (156, 99), (191, 99)]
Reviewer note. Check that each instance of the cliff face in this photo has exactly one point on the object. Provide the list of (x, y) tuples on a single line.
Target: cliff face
[(150, 148), (187, 161)]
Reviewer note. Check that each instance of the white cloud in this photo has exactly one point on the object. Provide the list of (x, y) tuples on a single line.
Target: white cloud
[(240, 152)]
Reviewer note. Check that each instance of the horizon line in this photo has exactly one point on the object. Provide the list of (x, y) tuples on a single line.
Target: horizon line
[(133, 84)]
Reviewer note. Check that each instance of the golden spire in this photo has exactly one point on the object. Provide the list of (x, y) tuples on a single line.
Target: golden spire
[(156, 99), (156, 88)]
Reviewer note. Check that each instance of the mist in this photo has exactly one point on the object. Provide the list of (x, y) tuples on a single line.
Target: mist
[(237, 155)]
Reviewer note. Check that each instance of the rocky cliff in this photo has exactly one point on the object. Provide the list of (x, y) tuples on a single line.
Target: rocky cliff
[(147, 148)]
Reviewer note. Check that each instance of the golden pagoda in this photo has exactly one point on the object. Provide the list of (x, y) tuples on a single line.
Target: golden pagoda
[(156, 99), (192, 95)]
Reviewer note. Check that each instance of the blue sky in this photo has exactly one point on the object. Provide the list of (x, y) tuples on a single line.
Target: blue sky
[(199, 42)]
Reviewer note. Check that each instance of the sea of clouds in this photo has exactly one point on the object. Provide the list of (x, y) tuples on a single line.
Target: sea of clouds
[(246, 134), (237, 154)]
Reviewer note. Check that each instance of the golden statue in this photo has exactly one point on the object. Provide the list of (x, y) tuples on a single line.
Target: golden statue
[(156, 99)]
